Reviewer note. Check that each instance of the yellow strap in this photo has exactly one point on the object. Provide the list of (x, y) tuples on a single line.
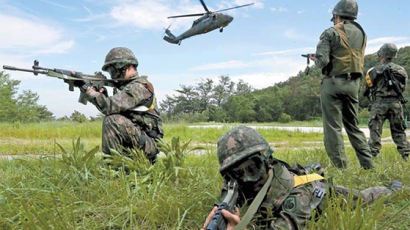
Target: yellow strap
[(369, 80), (304, 179), (152, 107)]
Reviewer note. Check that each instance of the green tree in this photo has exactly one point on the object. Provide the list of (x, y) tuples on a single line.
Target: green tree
[(78, 117), (23, 107)]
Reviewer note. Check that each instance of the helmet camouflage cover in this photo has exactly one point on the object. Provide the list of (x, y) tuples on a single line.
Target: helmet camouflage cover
[(238, 144), (119, 55), (388, 50), (346, 8)]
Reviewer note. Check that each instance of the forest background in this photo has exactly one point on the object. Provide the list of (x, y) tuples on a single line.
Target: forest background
[(297, 98)]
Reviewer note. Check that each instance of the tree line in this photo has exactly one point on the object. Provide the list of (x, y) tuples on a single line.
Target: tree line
[(220, 100), (297, 98)]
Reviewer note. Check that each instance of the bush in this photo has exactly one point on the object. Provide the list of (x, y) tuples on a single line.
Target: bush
[(364, 113), (284, 118)]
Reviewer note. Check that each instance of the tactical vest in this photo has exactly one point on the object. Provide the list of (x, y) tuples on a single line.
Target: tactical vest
[(147, 116), (345, 59)]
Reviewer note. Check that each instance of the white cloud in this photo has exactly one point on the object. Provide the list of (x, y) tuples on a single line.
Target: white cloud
[(279, 9), (29, 36), (232, 64), (383, 40), (262, 80), (286, 52), (292, 34), (153, 14), (373, 45)]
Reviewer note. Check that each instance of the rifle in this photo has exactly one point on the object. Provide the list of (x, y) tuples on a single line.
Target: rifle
[(307, 56), (218, 221), (72, 78), (393, 84)]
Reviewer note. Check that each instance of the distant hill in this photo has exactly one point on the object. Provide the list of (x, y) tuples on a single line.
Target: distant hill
[(297, 98)]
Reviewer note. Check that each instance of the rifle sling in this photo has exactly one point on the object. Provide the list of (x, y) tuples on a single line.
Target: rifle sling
[(299, 180), (255, 204)]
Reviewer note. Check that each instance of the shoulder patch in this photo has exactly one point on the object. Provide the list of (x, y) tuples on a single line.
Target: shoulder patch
[(322, 36), (289, 205)]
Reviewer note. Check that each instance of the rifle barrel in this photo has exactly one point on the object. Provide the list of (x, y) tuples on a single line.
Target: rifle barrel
[(7, 67)]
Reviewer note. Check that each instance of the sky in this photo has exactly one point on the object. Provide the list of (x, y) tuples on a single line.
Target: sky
[(262, 45)]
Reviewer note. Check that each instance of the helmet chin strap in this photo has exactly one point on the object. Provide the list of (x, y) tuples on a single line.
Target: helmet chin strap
[(268, 157)]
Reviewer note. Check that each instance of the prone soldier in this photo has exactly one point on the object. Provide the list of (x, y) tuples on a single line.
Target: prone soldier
[(279, 196)]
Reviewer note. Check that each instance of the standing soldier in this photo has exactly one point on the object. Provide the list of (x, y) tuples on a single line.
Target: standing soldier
[(340, 55), (387, 100), (131, 119), (278, 196)]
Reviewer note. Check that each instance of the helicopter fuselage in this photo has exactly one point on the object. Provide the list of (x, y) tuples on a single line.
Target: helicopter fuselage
[(207, 23)]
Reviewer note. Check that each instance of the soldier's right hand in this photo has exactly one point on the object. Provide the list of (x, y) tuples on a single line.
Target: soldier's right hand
[(232, 218)]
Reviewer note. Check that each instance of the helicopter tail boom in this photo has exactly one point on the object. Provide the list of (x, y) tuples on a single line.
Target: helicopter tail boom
[(169, 37)]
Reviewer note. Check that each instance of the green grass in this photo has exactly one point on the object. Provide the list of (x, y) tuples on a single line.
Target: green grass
[(39, 138), (79, 191)]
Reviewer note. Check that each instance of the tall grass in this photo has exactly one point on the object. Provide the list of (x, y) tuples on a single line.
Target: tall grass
[(82, 191)]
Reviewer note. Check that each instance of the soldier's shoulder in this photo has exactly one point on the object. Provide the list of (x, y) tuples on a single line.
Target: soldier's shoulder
[(328, 33), (398, 69), (396, 66)]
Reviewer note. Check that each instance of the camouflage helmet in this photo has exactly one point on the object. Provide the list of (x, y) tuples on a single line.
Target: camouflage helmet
[(388, 50), (346, 8), (238, 144), (120, 55)]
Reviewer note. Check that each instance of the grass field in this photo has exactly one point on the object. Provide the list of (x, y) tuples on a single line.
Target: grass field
[(79, 190), (40, 138)]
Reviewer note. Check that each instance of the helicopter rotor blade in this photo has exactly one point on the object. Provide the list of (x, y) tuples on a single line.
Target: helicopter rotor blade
[(203, 4), (187, 15), (234, 7)]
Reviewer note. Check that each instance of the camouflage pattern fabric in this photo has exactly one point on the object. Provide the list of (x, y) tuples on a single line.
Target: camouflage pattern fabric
[(289, 207), (339, 97), (346, 8), (119, 55), (121, 131), (386, 105), (120, 126)]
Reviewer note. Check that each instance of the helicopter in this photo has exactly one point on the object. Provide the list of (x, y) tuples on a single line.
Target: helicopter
[(209, 20)]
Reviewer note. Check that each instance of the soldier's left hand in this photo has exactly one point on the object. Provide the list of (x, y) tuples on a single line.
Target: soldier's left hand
[(92, 92), (312, 57)]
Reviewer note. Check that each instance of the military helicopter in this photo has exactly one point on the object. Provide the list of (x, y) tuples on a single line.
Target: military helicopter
[(207, 22)]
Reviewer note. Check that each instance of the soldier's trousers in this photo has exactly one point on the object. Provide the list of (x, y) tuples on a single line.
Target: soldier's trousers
[(120, 131), (339, 101), (368, 195), (390, 109)]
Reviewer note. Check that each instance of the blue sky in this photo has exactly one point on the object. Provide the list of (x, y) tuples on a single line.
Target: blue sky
[(262, 45)]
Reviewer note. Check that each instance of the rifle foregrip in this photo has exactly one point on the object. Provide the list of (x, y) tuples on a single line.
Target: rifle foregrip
[(218, 221), (83, 98)]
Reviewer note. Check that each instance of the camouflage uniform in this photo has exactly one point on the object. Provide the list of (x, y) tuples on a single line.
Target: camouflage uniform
[(386, 104), (285, 205), (340, 55), (131, 119)]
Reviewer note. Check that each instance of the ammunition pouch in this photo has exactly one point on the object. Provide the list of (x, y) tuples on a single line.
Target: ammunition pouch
[(149, 123)]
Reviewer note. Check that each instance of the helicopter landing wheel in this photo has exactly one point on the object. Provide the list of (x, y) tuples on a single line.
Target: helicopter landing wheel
[(221, 30)]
